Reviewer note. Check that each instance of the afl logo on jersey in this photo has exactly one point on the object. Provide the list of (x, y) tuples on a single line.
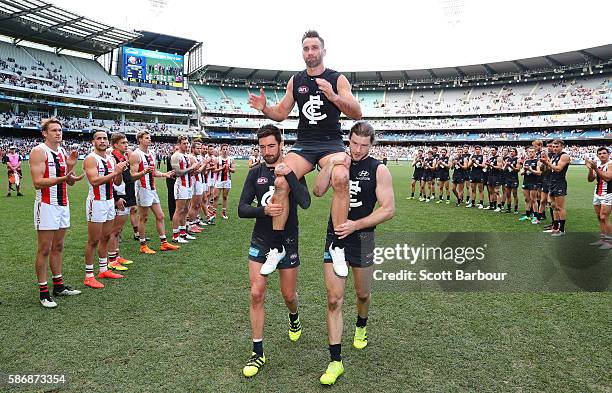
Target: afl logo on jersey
[(262, 180), (303, 89)]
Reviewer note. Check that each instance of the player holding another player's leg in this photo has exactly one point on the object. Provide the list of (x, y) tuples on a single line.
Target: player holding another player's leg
[(321, 95), (370, 183), (101, 173), (602, 198), (52, 172), (260, 184), (142, 168), (183, 190)]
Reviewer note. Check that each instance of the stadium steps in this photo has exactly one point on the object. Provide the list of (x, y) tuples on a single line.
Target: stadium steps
[(194, 97)]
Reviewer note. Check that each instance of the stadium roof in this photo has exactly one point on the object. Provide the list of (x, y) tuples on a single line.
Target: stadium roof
[(163, 43), (44, 23), (593, 56)]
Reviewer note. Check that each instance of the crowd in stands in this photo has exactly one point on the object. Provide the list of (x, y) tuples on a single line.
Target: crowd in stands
[(55, 78), (163, 149), (29, 120)]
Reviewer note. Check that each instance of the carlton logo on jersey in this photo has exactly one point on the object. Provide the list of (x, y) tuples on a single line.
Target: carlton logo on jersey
[(311, 108), (354, 190), (303, 89), (265, 199)]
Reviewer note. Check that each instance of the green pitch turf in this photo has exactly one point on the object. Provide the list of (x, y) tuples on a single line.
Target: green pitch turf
[(179, 321)]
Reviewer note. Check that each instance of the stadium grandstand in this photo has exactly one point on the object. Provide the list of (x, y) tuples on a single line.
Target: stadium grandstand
[(56, 63)]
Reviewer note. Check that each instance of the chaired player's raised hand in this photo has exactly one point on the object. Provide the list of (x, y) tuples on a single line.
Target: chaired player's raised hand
[(257, 102), (327, 89)]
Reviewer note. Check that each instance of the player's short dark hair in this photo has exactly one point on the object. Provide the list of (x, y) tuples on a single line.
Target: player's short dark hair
[(269, 129), (44, 125), (444, 150), (558, 142), (604, 149), (93, 136), (362, 128), (514, 150), (116, 137), (313, 34)]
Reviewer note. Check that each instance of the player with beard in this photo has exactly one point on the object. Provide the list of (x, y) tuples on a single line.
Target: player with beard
[(544, 200), (466, 174), (321, 95), (370, 184), (259, 184)]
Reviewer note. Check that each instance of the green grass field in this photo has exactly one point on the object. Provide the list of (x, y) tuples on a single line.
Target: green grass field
[(179, 321)]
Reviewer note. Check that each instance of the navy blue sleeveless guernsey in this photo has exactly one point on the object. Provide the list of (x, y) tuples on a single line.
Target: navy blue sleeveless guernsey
[(319, 118)]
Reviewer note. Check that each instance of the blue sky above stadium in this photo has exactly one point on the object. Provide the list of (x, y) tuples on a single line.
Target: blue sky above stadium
[(365, 35)]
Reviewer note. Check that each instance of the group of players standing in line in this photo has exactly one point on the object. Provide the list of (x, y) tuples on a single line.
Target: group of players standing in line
[(121, 184), (474, 171)]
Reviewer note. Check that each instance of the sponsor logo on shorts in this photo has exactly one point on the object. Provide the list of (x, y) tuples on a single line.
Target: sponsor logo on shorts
[(303, 89), (293, 256), (253, 251), (262, 180)]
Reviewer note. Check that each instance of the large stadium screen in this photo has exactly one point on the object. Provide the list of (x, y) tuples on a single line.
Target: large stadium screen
[(157, 68)]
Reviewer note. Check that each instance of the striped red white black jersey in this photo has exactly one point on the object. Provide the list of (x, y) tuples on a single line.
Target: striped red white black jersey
[(55, 166), (198, 176), (105, 165), (184, 163), (211, 176), (603, 187), (147, 160), (225, 174)]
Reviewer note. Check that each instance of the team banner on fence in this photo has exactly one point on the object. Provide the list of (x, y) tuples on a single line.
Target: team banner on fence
[(493, 262)]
